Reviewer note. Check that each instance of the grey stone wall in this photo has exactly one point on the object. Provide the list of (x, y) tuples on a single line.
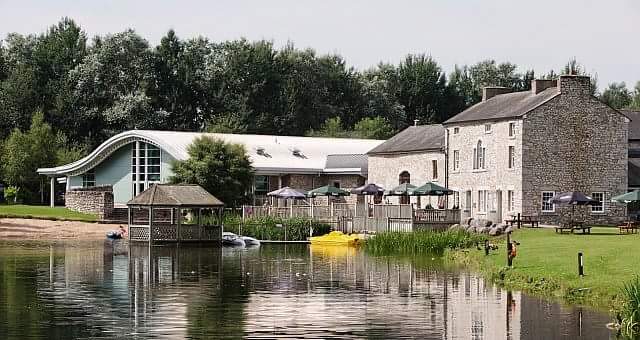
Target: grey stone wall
[(384, 170), (574, 143), (95, 200)]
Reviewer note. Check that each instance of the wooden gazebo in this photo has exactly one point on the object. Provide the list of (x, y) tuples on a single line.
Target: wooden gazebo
[(157, 214)]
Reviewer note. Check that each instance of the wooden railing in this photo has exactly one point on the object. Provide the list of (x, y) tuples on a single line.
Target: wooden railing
[(169, 232), (432, 215)]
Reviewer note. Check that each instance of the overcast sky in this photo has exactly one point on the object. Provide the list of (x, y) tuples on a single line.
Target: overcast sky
[(542, 34)]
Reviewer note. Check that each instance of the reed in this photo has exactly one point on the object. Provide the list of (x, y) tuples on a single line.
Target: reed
[(274, 229), (630, 311), (421, 242)]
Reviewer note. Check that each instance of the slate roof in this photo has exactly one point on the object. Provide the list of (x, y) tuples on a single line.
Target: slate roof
[(505, 105), (412, 139), (175, 195), (347, 163), (634, 124)]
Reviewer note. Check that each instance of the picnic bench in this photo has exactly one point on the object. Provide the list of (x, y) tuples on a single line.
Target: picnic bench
[(628, 227), (573, 226), (524, 220)]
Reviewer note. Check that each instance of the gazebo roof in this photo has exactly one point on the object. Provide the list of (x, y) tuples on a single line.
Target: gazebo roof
[(175, 195)]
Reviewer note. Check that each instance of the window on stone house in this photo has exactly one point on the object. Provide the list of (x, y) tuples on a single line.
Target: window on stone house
[(89, 179), (479, 156), (336, 184), (404, 177), (434, 166), (456, 130), (511, 200), (512, 156), (546, 205), (512, 129), (456, 199), (487, 128), (491, 201), (598, 196), (456, 159), (482, 201)]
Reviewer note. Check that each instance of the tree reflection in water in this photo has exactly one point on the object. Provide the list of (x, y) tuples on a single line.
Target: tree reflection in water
[(108, 289)]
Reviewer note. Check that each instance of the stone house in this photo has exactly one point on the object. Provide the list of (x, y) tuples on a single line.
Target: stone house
[(415, 155), (511, 152)]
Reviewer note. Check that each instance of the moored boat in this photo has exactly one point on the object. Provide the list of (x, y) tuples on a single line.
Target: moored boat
[(336, 238)]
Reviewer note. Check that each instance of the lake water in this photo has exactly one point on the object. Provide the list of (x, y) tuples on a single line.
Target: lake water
[(108, 290)]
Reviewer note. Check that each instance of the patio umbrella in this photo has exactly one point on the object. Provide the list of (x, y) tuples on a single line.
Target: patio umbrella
[(573, 198), (287, 192), (403, 189), (368, 189), (431, 189), (628, 197), (327, 190)]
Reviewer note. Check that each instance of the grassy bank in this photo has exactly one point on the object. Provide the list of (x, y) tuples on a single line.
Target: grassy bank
[(547, 265), (423, 242), (43, 212)]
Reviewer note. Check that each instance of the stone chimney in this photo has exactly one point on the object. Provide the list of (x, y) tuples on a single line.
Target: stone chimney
[(575, 85), (492, 91), (539, 85)]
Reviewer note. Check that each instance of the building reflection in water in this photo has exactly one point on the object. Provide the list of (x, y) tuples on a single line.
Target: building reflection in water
[(299, 291)]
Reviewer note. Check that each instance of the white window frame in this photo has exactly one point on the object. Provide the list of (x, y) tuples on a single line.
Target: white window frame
[(456, 199), (553, 206), (511, 201), (456, 160), (482, 201), (511, 157), (512, 129), (456, 130), (491, 201), (479, 153), (88, 182), (487, 128), (601, 208)]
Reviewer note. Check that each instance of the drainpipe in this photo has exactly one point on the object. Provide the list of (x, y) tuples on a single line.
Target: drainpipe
[(446, 166), (53, 192)]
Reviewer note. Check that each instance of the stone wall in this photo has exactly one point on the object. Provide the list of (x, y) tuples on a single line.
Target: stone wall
[(496, 177), (384, 170), (574, 143), (95, 200)]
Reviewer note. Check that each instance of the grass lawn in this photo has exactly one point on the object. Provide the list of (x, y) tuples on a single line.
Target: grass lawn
[(46, 212), (547, 264)]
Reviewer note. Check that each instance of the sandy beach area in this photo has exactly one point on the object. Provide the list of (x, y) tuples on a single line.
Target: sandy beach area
[(33, 229)]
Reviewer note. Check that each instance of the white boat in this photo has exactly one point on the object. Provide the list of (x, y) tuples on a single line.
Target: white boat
[(231, 239), (250, 241)]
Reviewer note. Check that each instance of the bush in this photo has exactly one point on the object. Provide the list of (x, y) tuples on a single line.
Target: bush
[(11, 194), (420, 242), (630, 312)]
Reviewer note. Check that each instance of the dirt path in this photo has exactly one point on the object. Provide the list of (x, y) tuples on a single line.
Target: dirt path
[(32, 229)]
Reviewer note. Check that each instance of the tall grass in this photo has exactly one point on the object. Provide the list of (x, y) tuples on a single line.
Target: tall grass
[(630, 312), (276, 229), (421, 242)]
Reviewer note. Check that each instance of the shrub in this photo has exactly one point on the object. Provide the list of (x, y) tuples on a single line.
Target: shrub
[(630, 312), (11, 194), (271, 228)]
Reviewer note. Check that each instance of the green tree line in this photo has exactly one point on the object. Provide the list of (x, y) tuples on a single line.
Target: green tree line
[(88, 89)]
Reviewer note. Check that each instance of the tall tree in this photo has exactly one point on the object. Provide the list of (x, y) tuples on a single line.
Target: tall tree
[(616, 95), (635, 100), (223, 169)]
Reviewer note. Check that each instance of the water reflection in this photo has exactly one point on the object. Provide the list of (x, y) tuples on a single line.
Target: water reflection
[(108, 290)]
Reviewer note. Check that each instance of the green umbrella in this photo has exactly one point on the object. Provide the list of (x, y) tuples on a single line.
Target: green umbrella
[(327, 190), (628, 197), (401, 190), (430, 189)]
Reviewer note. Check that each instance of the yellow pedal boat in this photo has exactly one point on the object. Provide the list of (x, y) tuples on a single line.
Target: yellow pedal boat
[(336, 238)]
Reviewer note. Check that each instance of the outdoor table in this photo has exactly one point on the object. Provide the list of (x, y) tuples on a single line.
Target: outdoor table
[(580, 225), (628, 227)]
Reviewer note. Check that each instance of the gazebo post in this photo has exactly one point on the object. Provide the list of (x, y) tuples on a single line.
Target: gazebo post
[(129, 222), (178, 224), (150, 227), (200, 224)]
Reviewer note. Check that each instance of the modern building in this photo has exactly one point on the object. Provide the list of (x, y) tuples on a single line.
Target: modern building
[(133, 160)]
